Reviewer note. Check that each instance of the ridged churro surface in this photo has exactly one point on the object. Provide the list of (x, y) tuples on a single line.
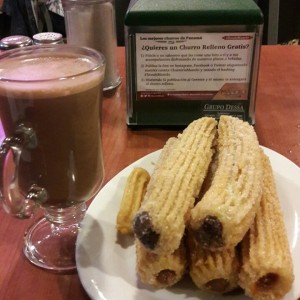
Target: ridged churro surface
[(213, 270), (224, 214), (212, 192), (133, 195), (173, 187), (267, 271), (160, 271)]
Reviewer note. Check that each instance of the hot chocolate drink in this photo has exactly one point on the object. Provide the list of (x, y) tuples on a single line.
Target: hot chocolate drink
[(58, 96)]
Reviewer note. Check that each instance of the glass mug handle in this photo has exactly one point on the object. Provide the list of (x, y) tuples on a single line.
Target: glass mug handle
[(13, 202)]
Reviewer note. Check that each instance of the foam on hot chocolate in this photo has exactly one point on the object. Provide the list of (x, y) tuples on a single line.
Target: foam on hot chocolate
[(53, 73)]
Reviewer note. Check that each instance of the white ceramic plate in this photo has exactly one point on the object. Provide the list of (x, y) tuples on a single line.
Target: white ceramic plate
[(106, 261)]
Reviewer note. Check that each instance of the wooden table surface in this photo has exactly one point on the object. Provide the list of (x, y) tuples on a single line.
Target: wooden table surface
[(277, 126)]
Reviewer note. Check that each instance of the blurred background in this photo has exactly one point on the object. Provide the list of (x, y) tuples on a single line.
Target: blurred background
[(27, 17)]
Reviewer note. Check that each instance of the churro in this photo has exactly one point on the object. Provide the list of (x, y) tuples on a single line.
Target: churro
[(173, 187), (224, 214)]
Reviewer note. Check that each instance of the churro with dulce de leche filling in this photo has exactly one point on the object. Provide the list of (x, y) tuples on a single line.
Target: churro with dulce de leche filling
[(210, 211), (224, 214), (160, 271), (215, 271), (267, 270), (175, 183)]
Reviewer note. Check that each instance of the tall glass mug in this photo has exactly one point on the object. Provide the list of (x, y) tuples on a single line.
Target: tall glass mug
[(50, 108)]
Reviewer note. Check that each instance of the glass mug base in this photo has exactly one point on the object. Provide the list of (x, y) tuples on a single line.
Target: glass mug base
[(50, 245)]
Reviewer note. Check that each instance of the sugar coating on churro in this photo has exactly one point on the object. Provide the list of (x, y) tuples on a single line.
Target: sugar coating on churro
[(211, 192), (267, 270), (160, 271), (227, 209), (133, 195), (173, 187)]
